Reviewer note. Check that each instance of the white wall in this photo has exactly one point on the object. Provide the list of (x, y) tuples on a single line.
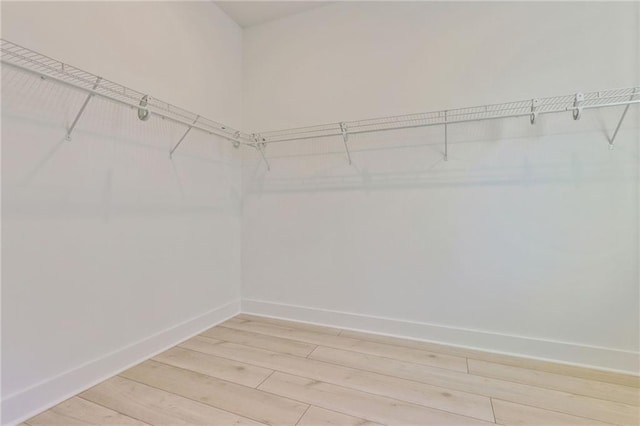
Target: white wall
[(110, 250), (525, 241)]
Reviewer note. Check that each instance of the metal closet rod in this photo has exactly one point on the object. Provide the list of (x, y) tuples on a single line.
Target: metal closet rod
[(94, 92), (469, 120), (32, 62), (531, 108), (351, 128)]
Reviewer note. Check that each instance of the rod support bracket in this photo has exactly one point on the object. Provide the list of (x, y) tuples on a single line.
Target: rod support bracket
[(260, 145), (577, 105), (345, 131), (624, 113), (82, 108), (446, 136), (184, 135), (345, 137)]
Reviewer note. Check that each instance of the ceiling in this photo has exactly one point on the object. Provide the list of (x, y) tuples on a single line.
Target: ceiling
[(249, 13)]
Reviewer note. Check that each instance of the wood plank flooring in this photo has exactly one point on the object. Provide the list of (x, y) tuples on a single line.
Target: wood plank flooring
[(252, 370)]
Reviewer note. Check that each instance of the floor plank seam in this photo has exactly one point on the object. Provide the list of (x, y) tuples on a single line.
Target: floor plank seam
[(400, 348), (294, 325), (255, 332), (317, 405), (493, 411), (437, 386), (467, 366), (311, 353), (343, 366), (281, 327), (430, 366), (635, 379), (377, 395), (355, 389), (389, 375), (557, 390), (202, 336), (265, 379), (305, 412), (110, 408), (396, 347), (208, 375), (545, 408), (202, 402), (425, 383)]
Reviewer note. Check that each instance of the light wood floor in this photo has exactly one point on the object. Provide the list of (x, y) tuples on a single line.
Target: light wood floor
[(252, 370)]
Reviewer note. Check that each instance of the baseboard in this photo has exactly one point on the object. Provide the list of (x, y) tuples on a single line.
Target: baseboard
[(31, 401), (548, 350)]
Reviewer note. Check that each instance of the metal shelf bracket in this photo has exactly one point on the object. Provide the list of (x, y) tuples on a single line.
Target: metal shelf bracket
[(82, 108), (260, 145), (446, 137), (624, 113), (345, 138), (184, 135)]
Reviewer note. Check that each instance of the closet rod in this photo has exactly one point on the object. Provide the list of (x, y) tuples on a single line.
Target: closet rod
[(33, 63), (45, 67), (267, 141), (528, 108)]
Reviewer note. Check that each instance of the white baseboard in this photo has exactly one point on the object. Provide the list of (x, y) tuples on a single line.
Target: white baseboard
[(35, 399), (540, 349)]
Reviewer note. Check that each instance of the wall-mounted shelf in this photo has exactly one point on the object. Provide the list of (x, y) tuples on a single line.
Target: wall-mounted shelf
[(47, 68), (35, 63), (531, 109)]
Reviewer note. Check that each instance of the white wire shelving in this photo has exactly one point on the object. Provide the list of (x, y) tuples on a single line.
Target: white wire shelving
[(531, 108), (47, 68), (35, 63)]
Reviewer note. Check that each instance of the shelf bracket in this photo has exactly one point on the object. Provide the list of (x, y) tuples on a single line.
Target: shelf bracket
[(624, 113), (184, 135), (260, 145), (345, 138), (446, 137), (82, 108)]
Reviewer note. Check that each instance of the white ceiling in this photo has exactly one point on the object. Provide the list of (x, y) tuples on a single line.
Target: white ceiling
[(248, 13)]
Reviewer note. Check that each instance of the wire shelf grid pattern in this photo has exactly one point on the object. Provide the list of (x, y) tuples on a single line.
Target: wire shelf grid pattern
[(48, 68), (29, 60), (524, 108)]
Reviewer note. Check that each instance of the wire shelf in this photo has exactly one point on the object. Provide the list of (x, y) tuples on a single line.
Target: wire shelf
[(566, 103), (30, 61), (48, 68)]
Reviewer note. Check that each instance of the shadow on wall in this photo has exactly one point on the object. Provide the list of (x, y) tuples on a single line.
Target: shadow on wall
[(114, 165), (506, 152)]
